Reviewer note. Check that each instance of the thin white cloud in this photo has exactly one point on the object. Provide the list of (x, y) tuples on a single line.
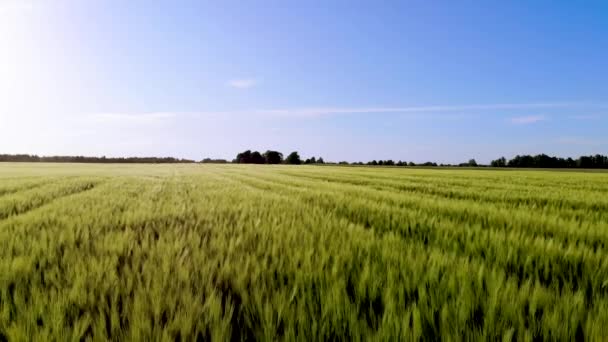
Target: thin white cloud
[(242, 83), (440, 112), (412, 109), (328, 111), (526, 120)]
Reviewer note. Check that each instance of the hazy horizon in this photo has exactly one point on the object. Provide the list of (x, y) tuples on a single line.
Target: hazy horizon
[(441, 82)]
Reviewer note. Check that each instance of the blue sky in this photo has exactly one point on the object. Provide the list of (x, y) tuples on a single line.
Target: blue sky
[(422, 80)]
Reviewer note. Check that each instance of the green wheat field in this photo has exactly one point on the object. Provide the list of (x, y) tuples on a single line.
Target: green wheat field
[(221, 252)]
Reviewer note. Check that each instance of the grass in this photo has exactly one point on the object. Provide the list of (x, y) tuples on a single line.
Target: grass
[(218, 252)]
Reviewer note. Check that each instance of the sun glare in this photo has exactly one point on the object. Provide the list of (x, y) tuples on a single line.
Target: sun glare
[(20, 59)]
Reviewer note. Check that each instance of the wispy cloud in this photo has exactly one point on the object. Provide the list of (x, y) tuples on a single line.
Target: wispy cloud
[(242, 83), (410, 109), (471, 108), (437, 111), (526, 120), (329, 111)]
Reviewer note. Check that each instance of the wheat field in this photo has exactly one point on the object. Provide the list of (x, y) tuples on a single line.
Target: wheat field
[(220, 252)]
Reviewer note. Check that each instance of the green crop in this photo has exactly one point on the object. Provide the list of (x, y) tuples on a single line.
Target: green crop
[(219, 252)]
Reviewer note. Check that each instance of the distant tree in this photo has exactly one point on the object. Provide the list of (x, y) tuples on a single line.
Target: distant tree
[(244, 157), (343, 163), (293, 158), (257, 158), (599, 161), (500, 162), (585, 162), (521, 161), (214, 161), (570, 162), (472, 162), (311, 160), (249, 157), (320, 161), (389, 162), (411, 164), (273, 157)]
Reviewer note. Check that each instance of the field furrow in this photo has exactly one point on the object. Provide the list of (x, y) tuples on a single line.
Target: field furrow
[(8, 188), (36, 197)]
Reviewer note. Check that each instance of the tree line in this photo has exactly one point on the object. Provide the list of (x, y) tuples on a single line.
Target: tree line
[(597, 161), (82, 159), (275, 157)]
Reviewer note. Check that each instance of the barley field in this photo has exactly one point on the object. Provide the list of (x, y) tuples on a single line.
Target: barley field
[(220, 252)]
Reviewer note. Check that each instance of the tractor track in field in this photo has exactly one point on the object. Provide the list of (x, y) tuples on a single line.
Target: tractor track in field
[(24, 187), (22, 209)]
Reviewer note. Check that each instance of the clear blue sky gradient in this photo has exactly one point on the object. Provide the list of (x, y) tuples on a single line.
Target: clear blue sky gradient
[(412, 80)]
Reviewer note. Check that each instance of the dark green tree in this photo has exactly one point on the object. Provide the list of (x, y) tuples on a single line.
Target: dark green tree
[(257, 158), (500, 162), (293, 158), (273, 157), (249, 157), (243, 157)]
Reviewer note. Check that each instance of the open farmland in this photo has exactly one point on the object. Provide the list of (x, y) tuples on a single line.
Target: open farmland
[(149, 252)]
